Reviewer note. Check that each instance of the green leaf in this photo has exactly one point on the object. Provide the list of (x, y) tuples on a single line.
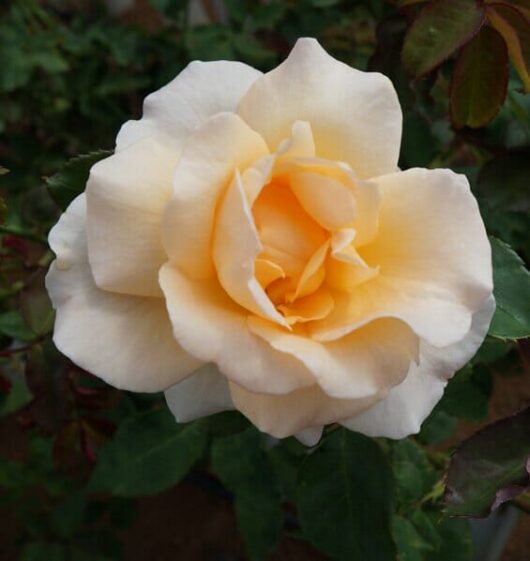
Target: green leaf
[(44, 552), (441, 28), (480, 80), (243, 467), (465, 397), (12, 325), (68, 516), (411, 545), (345, 499), (70, 180), (148, 453), (438, 426), (18, 396), (455, 541), (413, 474), (512, 293), (35, 305), (490, 467)]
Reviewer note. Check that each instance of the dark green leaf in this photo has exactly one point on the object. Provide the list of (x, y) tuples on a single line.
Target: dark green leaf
[(148, 453), (243, 467), (67, 517), (455, 540), (345, 497), (12, 324), (441, 28), (18, 396), (490, 467), (438, 426), (512, 293), (411, 545), (44, 552), (465, 397), (413, 473), (480, 80), (35, 305), (71, 179)]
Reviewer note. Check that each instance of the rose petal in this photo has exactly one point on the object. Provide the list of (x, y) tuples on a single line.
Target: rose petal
[(203, 393), (327, 200), (310, 436), (206, 168), (201, 90), (126, 196), (355, 116), (125, 340), (365, 363), (405, 408), (235, 247), (290, 414), (208, 324), (434, 258)]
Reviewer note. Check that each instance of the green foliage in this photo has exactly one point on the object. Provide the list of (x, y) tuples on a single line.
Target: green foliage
[(71, 179), (242, 464), (512, 294), (342, 512), (149, 453)]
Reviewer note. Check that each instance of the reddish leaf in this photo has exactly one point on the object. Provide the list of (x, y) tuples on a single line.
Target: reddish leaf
[(490, 467), (441, 28), (514, 26), (480, 79)]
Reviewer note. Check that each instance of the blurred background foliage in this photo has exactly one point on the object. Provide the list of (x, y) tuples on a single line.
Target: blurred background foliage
[(88, 472)]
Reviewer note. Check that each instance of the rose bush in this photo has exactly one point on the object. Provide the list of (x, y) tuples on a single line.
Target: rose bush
[(252, 244)]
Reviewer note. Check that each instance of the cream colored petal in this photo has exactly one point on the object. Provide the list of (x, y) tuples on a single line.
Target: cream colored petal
[(207, 166), (310, 436), (125, 340), (203, 393), (235, 247), (434, 259), (294, 413), (405, 408), (300, 144), (207, 323), (365, 363), (327, 200), (256, 177), (126, 196), (355, 116), (201, 90)]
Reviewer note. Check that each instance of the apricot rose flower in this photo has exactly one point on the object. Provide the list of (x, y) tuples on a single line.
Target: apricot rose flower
[(252, 244)]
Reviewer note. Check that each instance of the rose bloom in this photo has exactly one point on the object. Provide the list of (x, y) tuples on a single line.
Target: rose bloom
[(252, 245)]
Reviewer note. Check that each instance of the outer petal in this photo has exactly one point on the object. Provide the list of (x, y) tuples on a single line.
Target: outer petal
[(203, 393), (355, 116), (366, 363), (126, 195), (434, 259), (211, 326), (207, 166), (201, 90), (406, 407), (125, 340), (290, 414)]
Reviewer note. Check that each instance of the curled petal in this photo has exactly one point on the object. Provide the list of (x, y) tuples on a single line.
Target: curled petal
[(405, 408), (363, 364), (207, 323), (205, 170), (125, 340)]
